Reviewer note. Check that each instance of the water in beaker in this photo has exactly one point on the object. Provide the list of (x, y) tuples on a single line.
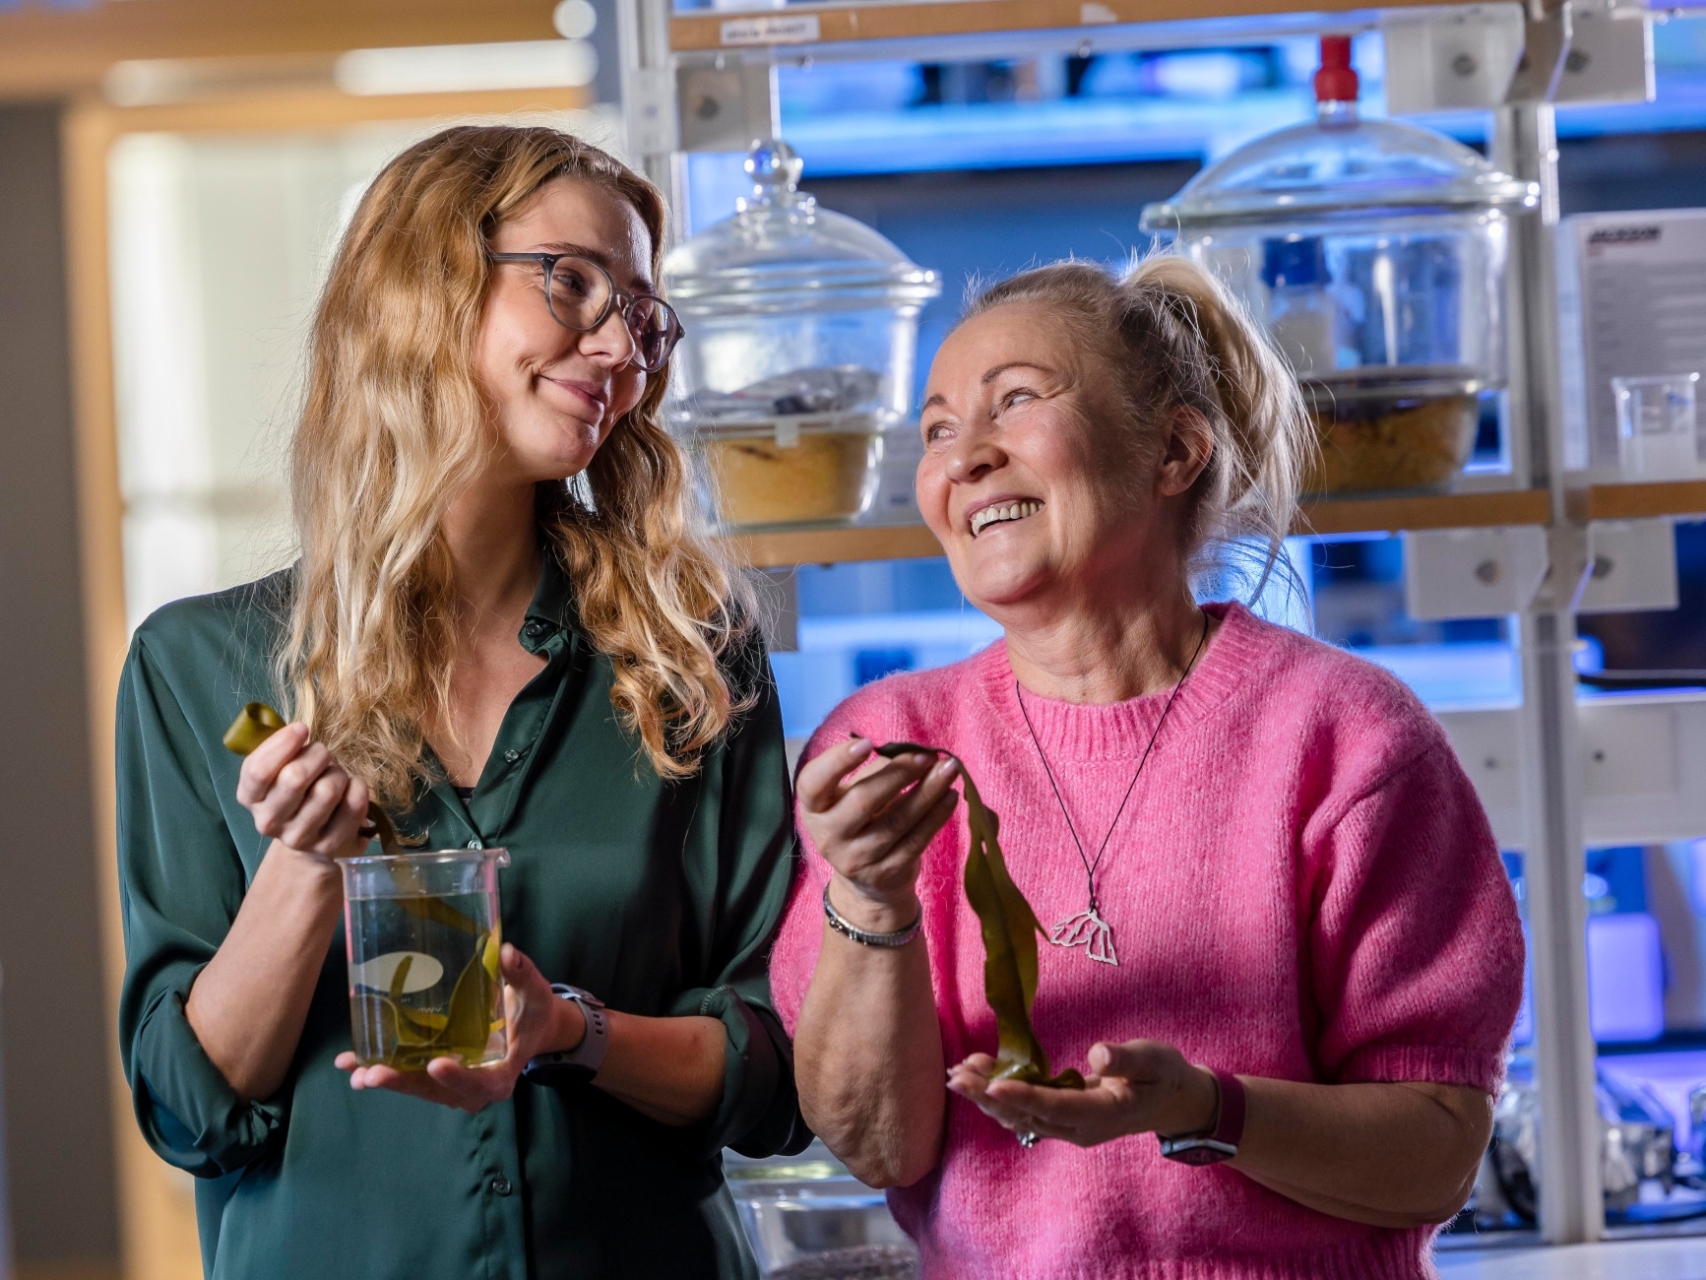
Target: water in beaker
[(423, 932)]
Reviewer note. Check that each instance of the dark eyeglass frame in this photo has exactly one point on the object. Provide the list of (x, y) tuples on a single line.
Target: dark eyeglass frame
[(619, 300)]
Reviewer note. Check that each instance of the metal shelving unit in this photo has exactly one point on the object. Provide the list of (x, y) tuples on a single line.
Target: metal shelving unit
[(706, 81)]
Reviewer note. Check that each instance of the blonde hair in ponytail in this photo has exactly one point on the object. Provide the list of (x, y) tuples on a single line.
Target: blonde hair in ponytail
[(395, 427), (1177, 340)]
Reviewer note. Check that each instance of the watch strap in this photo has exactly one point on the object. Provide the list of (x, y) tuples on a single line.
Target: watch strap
[(1229, 1127), (580, 1064), (1220, 1143)]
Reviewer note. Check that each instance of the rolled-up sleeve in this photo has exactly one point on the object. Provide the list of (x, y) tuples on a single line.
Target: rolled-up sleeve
[(1416, 950), (181, 882), (755, 856)]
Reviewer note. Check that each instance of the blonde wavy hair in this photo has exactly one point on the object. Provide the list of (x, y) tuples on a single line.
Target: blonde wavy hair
[(1174, 339), (395, 427)]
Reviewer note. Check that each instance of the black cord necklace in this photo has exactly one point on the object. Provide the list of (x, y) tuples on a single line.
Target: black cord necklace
[(1087, 929)]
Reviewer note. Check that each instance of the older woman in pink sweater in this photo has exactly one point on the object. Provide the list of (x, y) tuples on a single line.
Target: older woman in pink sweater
[(1286, 955)]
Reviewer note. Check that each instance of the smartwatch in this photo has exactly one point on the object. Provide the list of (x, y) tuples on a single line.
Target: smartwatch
[(580, 1064), (1220, 1143)]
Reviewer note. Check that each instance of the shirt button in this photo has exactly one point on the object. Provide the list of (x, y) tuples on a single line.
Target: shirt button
[(512, 755), (535, 629), (501, 1186), (475, 844)]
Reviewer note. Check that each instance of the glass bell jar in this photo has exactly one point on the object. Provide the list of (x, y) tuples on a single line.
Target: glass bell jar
[(1374, 253), (802, 336)]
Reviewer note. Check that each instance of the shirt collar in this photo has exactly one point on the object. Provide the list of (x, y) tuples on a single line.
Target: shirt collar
[(553, 607)]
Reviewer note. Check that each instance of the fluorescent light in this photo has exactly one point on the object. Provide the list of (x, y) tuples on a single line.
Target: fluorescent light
[(451, 68)]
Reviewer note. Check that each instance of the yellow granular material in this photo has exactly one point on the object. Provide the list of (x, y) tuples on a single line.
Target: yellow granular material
[(821, 478), (1388, 448)]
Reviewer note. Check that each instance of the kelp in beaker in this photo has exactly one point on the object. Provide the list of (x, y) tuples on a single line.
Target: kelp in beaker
[(424, 934)]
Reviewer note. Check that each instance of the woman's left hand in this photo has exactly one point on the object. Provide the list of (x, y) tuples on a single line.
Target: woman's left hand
[(537, 1022), (1141, 1086)]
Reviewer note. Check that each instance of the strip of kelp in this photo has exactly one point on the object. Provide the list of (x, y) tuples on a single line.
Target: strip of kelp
[(255, 724), (1010, 930)]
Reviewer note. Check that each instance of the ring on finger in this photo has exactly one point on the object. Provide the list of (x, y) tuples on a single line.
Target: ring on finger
[(1027, 1139)]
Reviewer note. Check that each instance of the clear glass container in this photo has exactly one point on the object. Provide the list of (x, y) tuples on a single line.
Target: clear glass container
[(1657, 428), (802, 336), (422, 932), (1374, 253), (808, 1218)]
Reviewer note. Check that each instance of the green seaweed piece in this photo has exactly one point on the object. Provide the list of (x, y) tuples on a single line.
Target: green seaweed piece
[(253, 726), (1010, 930), (470, 1022), (400, 975)]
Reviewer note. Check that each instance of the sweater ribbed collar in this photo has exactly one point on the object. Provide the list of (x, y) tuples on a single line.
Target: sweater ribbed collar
[(1071, 731)]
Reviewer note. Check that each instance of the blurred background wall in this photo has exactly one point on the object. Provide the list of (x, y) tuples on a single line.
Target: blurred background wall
[(54, 1022)]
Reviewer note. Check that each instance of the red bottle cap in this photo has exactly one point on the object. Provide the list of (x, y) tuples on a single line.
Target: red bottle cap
[(1335, 81)]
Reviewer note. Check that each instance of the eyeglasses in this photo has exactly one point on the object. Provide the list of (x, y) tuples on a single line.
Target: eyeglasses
[(580, 296)]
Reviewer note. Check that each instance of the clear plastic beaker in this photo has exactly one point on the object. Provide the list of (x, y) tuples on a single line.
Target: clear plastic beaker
[(1656, 429), (422, 933)]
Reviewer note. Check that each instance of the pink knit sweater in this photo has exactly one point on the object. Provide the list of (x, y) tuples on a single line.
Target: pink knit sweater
[(1303, 886)]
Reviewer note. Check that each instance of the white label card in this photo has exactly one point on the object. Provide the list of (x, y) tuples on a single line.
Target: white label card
[(802, 29)]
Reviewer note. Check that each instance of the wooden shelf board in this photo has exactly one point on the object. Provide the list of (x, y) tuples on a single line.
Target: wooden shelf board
[(51, 50), (781, 547), (1639, 501), (297, 109), (1428, 511), (912, 19)]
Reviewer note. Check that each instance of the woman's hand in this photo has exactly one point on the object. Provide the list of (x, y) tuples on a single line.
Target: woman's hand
[(873, 831), (1141, 1086), (300, 796), (536, 1022)]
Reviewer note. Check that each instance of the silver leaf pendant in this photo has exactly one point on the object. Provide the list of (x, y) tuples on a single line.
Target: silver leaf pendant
[(1087, 929)]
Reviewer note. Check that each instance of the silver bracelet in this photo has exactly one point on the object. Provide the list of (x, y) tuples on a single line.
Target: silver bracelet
[(899, 938)]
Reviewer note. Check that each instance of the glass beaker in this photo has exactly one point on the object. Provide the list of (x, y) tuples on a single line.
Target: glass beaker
[(1656, 434), (422, 934)]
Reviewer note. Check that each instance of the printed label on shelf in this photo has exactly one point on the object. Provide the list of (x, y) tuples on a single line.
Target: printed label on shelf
[(797, 30), (1632, 294)]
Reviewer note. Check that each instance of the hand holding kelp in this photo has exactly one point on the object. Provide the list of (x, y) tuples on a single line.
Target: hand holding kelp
[(256, 723), (412, 921), (1010, 930)]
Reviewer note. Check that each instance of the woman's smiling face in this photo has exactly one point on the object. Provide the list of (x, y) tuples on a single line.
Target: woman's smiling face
[(1029, 476), (558, 393)]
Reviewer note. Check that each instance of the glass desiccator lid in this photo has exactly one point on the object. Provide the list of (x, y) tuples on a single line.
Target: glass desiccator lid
[(1339, 164), (780, 251)]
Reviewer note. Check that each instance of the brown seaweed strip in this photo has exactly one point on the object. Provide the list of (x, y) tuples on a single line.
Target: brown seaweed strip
[(1010, 930)]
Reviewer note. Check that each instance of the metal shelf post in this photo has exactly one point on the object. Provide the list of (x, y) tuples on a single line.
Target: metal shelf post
[(1554, 861)]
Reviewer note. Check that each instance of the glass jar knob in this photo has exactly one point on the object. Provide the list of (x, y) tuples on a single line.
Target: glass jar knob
[(775, 169)]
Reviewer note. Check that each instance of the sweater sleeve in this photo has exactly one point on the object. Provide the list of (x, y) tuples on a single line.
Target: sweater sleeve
[(1415, 957), (181, 882)]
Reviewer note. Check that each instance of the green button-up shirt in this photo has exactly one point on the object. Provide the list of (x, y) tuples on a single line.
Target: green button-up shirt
[(660, 898)]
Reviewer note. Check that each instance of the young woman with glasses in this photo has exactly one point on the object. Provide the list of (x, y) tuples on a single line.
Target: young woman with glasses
[(506, 627)]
